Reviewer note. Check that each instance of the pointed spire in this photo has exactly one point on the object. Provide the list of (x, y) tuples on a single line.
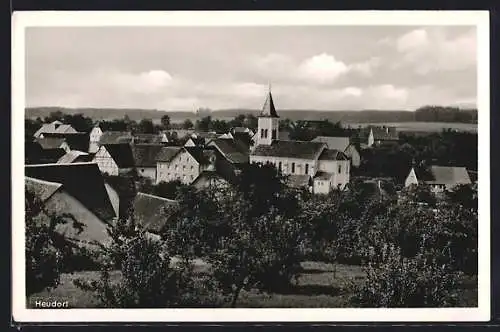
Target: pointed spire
[(268, 110)]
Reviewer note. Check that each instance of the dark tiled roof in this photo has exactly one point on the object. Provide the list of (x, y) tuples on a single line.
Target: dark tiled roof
[(54, 127), (115, 137), (330, 154), (202, 156), (208, 177), (166, 153), (83, 181), (145, 155), (121, 154), (48, 143), (449, 175), (290, 149), (42, 189), (298, 180), (233, 150), (323, 176), (381, 133), (153, 212), (147, 138), (337, 143), (268, 110)]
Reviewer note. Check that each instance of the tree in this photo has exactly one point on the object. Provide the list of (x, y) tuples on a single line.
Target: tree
[(204, 124), (54, 116), (187, 124), (165, 121), (78, 121), (146, 126)]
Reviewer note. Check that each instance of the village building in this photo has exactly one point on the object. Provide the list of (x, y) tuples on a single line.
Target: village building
[(115, 137), (140, 138), (377, 136), (211, 180), (54, 127), (342, 144), (95, 138), (76, 141), (242, 130), (145, 159), (153, 213), (183, 163), (75, 156), (115, 159), (52, 143), (78, 190), (439, 178), (308, 164)]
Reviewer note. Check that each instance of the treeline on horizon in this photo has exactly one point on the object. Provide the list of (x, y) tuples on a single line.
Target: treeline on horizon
[(422, 114)]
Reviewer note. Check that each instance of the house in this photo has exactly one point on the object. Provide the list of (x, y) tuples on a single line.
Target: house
[(75, 156), (95, 138), (145, 159), (115, 159), (195, 141), (76, 141), (140, 138), (77, 189), (324, 168), (233, 150), (154, 212), (54, 127), (342, 144), (241, 130), (211, 180), (52, 143), (226, 136), (184, 163), (439, 178), (115, 137), (373, 135)]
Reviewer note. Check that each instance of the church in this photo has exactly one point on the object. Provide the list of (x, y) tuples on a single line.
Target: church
[(308, 164)]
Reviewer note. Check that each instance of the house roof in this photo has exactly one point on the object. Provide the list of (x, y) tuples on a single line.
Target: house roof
[(115, 137), (337, 143), (290, 149), (55, 127), (145, 155), (73, 156), (240, 130), (323, 176), (207, 176), (148, 138), (268, 110), (385, 133), (330, 154), (48, 143), (298, 180), (202, 156), (76, 141), (233, 150), (42, 189), (166, 153), (447, 175), (121, 154), (204, 134), (83, 181), (153, 212)]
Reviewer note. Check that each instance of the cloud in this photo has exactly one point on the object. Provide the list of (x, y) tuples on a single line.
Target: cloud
[(432, 50), (322, 68)]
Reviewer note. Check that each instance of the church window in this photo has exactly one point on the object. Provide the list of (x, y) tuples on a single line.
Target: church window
[(340, 169), (307, 169), (262, 133), (265, 133), (279, 165), (274, 134), (293, 167)]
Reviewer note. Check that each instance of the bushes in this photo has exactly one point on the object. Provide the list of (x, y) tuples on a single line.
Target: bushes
[(407, 282)]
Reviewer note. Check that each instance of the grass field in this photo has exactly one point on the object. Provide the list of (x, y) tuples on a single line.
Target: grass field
[(320, 285)]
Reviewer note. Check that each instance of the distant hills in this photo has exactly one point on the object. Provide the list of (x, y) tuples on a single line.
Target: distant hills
[(426, 113)]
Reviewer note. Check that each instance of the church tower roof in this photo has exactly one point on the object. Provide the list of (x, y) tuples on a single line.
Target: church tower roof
[(268, 109)]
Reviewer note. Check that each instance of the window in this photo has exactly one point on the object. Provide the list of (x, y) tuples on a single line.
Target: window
[(183, 167), (191, 167), (191, 178), (279, 166), (293, 167), (265, 133), (307, 169), (340, 169), (262, 133), (347, 169), (274, 134)]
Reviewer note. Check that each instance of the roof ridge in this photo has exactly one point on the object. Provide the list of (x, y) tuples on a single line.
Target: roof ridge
[(42, 181), (158, 197), (63, 164)]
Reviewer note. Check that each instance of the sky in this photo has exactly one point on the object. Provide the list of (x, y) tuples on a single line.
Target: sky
[(308, 67)]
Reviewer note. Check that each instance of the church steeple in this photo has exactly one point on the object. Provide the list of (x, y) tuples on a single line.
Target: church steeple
[(268, 122), (268, 110)]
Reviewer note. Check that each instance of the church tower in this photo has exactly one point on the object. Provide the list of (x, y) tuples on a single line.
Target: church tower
[(268, 122)]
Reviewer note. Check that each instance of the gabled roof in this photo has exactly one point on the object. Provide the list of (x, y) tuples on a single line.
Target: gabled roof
[(268, 110), (202, 156), (121, 154), (76, 141), (153, 212), (240, 130), (42, 189), (148, 138), (384, 133), (330, 154), (208, 176), (55, 127), (323, 176), (83, 181), (115, 137), (298, 180), (447, 175), (48, 143), (145, 155), (337, 143), (74, 156), (167, 153), (290, 149), (204, 134), (233, 150)]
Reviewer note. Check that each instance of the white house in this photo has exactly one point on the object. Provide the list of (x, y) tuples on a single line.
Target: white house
[(342, 144), (183, 163), (55, 127), (94, 138), (145, 156), (439, 178), (114, 159), (304, 162)]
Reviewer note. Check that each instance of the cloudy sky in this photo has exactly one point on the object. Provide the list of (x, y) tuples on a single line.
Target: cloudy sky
[(183, 68)]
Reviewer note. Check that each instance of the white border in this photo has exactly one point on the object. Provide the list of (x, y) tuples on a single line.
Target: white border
[(22, 20)]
